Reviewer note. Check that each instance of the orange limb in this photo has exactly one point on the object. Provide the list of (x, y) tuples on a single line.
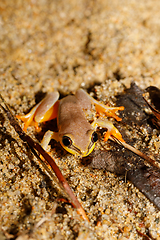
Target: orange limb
[(36, 116), (109, 111), (115, 133), (28, 121), (112, 130)]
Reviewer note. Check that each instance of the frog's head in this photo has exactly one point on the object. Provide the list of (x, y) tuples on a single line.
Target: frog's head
[(79, 143)]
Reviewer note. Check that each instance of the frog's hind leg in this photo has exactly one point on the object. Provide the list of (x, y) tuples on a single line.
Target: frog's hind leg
[(46, 110), (109, 111), (85, 99), (28, 119), (105, 110)]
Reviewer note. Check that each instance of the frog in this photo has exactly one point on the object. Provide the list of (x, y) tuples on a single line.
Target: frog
[(76, 134)]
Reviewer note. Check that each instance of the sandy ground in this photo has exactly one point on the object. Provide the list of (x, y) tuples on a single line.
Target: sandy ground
[(64, 45)]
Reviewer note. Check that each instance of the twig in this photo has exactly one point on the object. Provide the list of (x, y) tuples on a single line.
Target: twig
[(136, 151), (35, 145)]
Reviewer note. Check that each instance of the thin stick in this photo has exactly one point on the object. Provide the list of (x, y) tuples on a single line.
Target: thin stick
[(136, 151), (35, 145)]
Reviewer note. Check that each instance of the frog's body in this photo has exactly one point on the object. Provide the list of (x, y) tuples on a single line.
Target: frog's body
[(75, 133)]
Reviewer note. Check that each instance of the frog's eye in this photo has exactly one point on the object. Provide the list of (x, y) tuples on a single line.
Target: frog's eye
[(67, 142), (94, 137)]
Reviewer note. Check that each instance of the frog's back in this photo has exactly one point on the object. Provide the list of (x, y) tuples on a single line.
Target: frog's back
[(71, 117)]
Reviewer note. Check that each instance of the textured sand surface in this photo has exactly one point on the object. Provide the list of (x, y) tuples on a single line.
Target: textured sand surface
[(64, 45)]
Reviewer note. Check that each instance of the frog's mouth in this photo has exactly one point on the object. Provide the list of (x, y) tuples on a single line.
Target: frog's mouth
[(79, 150), (76, 151)]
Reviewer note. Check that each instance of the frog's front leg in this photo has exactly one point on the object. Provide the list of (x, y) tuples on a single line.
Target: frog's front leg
[(47, 138), (111, 129)]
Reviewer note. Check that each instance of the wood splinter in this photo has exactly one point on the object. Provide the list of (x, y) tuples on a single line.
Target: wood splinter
[(36, 146)]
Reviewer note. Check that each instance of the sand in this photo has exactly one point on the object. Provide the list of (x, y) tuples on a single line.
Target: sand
[(101, 46)]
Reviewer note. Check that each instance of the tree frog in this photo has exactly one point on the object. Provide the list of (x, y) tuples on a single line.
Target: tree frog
[(75, 133)]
